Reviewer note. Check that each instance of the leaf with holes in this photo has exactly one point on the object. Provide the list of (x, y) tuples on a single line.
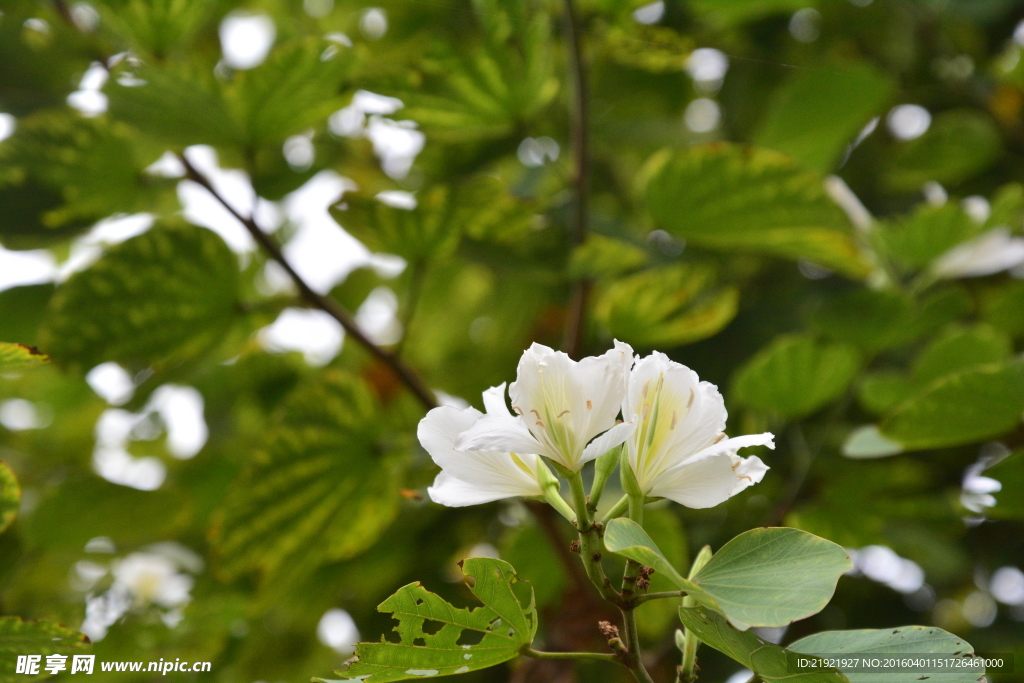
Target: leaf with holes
[(172, 291), (915, 641), (438, 639), (769, 661), (19, 356), (319, 491), (10, 497), (18, 637), (730, 198)]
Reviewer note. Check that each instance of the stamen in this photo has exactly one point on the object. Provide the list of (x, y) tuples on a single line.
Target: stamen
[(692, 396), (718, 438), (517, 409), (673, 425), (590, 406), (561, 413)]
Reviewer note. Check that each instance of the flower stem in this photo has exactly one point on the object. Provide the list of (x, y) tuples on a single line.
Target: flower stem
[(641, 599), (636, 666), (591, 545), (688, 670)]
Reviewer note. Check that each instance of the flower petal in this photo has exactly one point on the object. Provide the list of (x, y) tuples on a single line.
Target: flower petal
[(565, 404), (455, 493), (749, 471), (730, 446), (986, 254), (494, 401), (679, 415), (607, 441), (698, 485), (501, 433)]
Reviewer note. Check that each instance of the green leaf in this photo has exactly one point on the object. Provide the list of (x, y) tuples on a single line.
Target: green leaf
[(666, 306), (18, 637), (1010, 499), (158, 28), (867, 442), (960, 348), (959, 144), (795, 376), (907, 640), (479, 209), (61, 172), (880, 391), (772, 662), (625, 537), (773, 576), (731, 198), (488, 89), (172, 291), (602, 256), (22, 310), (763, 577), (164, 106), (1002, 308), (962, 408), (20, 356), (818, 112), (319, 491), (10, 497), (877, 320), (918, 239), (294, 89), (500, 629)]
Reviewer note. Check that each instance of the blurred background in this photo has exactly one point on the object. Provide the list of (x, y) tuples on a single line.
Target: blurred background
[(815, 205)]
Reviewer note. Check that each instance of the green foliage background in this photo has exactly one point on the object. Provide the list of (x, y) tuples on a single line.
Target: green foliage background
[(727, 249)]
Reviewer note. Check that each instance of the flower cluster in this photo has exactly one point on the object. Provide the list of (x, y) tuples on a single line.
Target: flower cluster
[(565, 412)]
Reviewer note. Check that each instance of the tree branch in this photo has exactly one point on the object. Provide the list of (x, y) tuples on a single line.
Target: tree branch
[(579, 124), (404, 373)]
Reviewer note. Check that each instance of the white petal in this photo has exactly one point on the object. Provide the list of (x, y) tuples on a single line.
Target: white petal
[(495, 474), (565, 404), (440, 427), (607, 441), (730, 446), (679, 415), (502, 433), (698, 485), (749, 471), (989, 253), (494, 401), (455, 493)]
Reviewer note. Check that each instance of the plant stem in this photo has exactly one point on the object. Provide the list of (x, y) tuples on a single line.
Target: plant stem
[(687, 672), (641, 599), (636, 666), (579, 124), (591, 546), (404, 373), (596, 656), (632, 570)]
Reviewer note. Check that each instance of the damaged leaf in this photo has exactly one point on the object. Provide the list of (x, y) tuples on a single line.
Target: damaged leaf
[(437, 639)]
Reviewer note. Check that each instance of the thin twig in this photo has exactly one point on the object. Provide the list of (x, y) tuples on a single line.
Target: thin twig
[(579, 123), (324, 303)]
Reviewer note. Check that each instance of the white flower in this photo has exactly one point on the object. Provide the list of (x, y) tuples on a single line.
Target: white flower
[(152, 578), (989, 253), (679, 450), (562, 406), (472, 477)]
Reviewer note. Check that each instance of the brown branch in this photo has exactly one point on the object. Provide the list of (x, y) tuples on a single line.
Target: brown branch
[(579, 124), (324, 303)]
